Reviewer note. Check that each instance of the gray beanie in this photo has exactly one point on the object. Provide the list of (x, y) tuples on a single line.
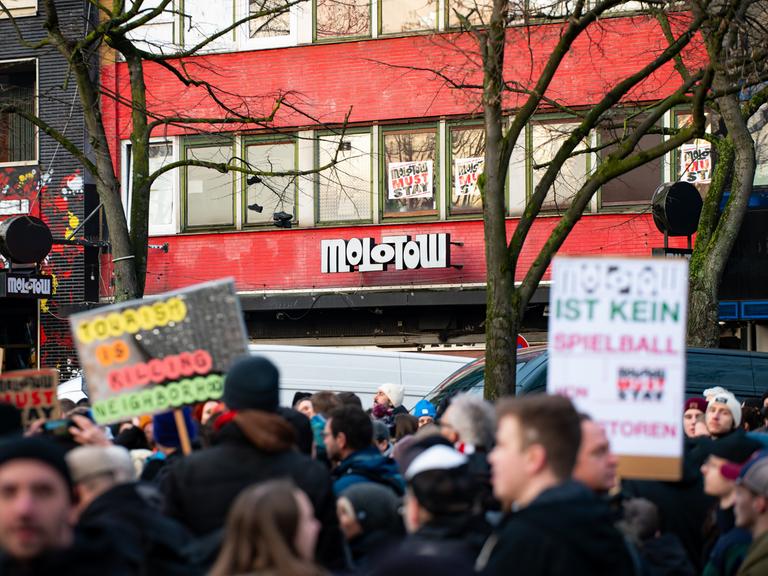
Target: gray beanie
[(376, 506), (252, 383)]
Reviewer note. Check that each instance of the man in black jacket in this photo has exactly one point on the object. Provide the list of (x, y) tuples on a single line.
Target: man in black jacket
[(557, 526), (253, 444)]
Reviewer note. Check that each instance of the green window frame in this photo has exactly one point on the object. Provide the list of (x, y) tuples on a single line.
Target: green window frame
[(640, 182), (413, 167), (361, 27), (574, 172), (194, 181), (358, 140), (390, 6), (272, 193), (463, 167)]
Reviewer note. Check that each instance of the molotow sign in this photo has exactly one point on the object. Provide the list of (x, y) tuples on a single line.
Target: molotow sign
[(402, 252), (25, 286)]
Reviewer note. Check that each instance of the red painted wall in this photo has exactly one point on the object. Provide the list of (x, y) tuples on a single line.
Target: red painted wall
[(290, 259)]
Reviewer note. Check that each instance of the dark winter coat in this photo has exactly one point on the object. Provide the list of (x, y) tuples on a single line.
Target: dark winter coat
[(132, 512), (200, 488), (730, 548), (367, 465), (665, 556), (565, 530)]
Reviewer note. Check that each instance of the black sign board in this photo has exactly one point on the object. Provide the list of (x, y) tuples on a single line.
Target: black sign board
[(31, 286)]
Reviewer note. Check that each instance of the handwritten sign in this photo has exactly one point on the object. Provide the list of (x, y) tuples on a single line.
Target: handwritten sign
[(410, 179), (696, 163), (31, 391), (159, 353), (617, 349)]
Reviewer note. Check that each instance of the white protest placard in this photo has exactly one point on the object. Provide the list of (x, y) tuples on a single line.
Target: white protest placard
[(466, 173), (409, 179), (696, 162), (617, 349)]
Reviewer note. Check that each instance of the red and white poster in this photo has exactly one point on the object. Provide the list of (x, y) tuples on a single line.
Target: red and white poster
[(466, 171), (696, 162), (409, 179)]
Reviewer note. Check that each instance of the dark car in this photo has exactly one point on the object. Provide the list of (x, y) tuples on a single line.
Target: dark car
[(743, 373)]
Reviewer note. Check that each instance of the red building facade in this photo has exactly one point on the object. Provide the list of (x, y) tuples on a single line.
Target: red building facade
[(404, 176)]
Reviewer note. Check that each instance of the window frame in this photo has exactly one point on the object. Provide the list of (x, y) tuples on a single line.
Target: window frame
[(448, 171), (243, 40), (529, 177), (30, 9), (126, 192), (36, 145), (371, 33), (184, 146), (447, 19), (628, 206), (380, 22), (242, 186), (316, 187), (436, 173)]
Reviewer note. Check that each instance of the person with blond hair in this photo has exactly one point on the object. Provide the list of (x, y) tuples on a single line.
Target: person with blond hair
[(271, 531)]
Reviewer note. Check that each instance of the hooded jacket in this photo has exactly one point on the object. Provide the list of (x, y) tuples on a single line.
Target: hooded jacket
[(200, 488), (367, 465), (565, 530)]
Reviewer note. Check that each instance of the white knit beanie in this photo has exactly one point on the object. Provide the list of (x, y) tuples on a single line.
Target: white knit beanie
[(395, 393), (727, 398)]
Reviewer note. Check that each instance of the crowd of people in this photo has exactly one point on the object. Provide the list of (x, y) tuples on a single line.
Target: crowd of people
[(528, 486)]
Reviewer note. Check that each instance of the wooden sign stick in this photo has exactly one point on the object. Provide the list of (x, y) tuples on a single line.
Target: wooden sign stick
[(181, 428)]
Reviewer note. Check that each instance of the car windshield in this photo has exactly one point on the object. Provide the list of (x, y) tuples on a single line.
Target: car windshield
[(471, 377)]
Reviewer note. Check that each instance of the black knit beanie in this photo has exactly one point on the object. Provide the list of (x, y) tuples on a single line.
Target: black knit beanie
[(252, 383), (38, 449)]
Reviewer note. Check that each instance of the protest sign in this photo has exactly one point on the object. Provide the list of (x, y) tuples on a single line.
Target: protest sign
[(31, 391), (466, 171), (696, 163), (617, 349), (410, 179), (159, 353)]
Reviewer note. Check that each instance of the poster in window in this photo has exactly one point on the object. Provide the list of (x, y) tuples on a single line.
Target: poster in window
[(410, 179), (696, 163), (466, 172)]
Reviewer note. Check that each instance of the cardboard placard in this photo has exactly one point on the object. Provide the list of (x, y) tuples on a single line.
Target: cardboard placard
[(159, 353), (617, 349), (31, 391)]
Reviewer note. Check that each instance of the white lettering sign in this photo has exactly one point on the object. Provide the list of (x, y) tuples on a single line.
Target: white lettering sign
[(617, 348), (23, 285), (406, 253)]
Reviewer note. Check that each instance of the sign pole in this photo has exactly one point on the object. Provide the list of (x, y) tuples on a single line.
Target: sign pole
[(181, 428)]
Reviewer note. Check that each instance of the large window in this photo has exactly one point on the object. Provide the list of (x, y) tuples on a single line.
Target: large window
[(467, 145), (344, 190), (342, 18), (638, 185), (162, 194), (209, 193), (546, 139), (410, 158), (18, 137), (270, 193), (275, 22), (472, 12), (401, 16), (19, 8)]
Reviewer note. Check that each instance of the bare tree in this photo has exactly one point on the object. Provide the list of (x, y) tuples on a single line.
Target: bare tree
[(114, 34)]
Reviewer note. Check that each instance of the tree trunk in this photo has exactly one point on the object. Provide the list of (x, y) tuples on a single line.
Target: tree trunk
[(710, 257), (501, 322)]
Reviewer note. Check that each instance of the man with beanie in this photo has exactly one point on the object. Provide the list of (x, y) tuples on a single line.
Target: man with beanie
[(37, 517), (693, 415), (751, 507), (723, 414), (720, 471), (253, 444), (388, 403), (109, 500), (167, 444), (369, 516)]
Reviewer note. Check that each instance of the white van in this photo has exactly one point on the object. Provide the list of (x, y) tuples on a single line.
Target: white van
[(313, 368)]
